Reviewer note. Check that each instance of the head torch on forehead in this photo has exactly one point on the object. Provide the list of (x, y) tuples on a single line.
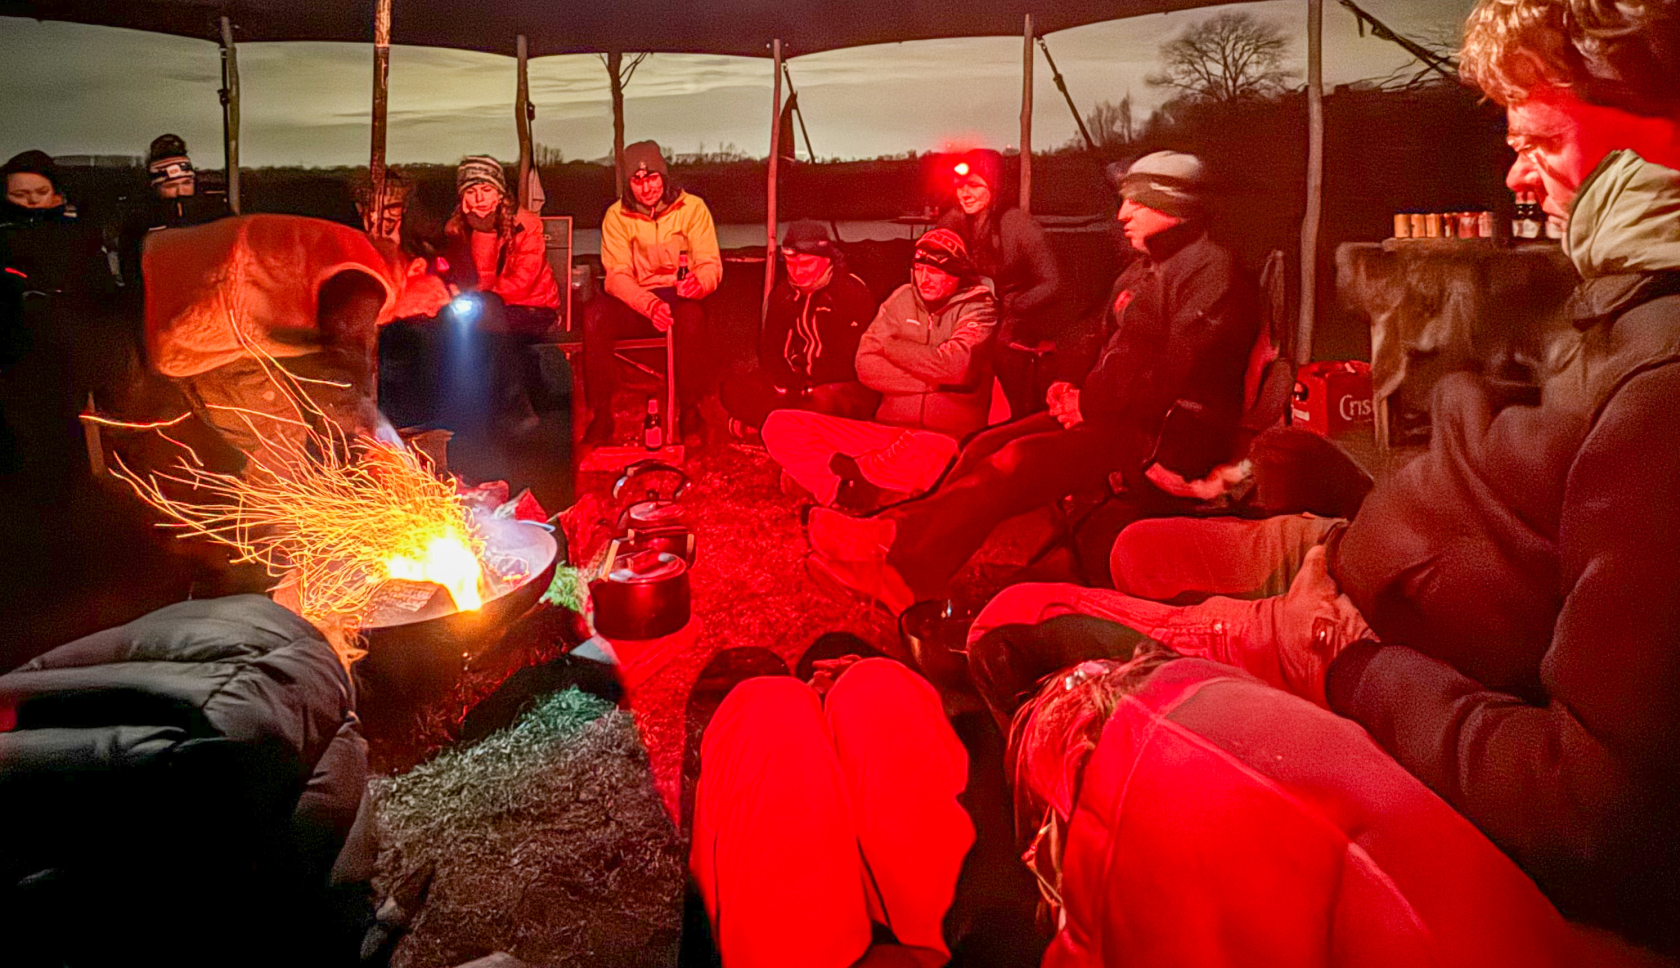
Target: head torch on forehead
[(173, 171)]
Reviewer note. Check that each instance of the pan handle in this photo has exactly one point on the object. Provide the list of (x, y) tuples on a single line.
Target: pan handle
[(649, 465)]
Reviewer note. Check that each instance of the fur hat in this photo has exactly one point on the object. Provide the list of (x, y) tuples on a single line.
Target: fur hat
[(1171, 182), (644, 155), (167, 161), (944, 250), (480, 170)]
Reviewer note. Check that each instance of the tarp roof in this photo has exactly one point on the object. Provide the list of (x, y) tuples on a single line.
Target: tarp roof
[(738, 27)]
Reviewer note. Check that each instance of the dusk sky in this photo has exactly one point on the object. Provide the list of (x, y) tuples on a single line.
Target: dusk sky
[(73, 89)]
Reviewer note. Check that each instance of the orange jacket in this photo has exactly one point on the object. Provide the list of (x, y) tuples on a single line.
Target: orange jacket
[(523, 276)]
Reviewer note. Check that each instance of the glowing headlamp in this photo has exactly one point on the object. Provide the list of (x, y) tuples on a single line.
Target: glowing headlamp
[(962, 169)]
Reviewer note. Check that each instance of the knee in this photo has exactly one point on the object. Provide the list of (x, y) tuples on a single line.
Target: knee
[(763, 715), (780, 426), (878, 690), (1128, 559), (1025, 604)]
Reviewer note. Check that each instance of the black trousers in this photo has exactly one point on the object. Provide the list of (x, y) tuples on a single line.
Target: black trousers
[(749, 397), (463, 371), (607, 319)]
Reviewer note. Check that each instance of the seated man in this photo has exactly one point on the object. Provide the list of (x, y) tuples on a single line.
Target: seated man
[(807, 349), (173, 202), (1185, 321), (269, 324), (1521, 576), (660, 252), (928, 353)]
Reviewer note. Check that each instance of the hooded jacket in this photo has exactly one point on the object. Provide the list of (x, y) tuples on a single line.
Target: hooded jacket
[(642, 252), (1524, 576), (811, 338), (933, 368), (207, 757)]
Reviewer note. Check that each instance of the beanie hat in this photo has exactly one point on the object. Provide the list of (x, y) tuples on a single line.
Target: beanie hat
[(34, 162), (480, 170), (982, 162), (944, 250), (166, 159), (644, 155), (1169, 182), (810, 237)]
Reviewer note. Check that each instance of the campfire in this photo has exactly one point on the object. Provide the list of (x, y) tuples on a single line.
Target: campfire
[(358, 532)]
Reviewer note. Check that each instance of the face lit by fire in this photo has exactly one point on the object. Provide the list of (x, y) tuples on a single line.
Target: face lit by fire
[(934, 285), (1559, 139), (1139, 223), (481, 199), (648, 187), (973, 194), (806, 270), (29, 190)]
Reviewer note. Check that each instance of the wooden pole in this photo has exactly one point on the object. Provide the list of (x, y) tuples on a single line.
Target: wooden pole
[(1315, 180), (1026, 115), (775, 166), (230, 114), (615, 79), (381, 100), (522, 122)]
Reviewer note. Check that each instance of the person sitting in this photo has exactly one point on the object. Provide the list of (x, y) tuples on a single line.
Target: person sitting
[(281, 357), (660, 252), (496, 251), (808, 347), (928, 353), (827, 815), (1518, 579), (1161, 407), (1009, 248), (45, 243), (410, 390), (173, 202)]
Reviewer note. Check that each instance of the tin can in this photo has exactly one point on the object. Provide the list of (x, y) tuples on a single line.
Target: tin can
[(1432, 225), (1467, 225), (1402, 225), (1484, 225), (1418, 224)]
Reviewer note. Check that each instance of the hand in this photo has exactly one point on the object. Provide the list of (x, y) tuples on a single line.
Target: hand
[(827, 671), (1315, 623), (1216, 483), (1057, 392), (689, 287), (662, 319), (1069, 413)]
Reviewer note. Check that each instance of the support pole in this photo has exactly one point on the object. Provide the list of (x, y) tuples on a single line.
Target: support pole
[(799, 112), (522, 122), (1061, 85), (381, 100), (1315, 180), (230, 114), (1026, 116), (775, 167), (615, 80)]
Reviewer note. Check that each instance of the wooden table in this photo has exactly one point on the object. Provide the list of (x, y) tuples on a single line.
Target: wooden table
[(1436, 306)]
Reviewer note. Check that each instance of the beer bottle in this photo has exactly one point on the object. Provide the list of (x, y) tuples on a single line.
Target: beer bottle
[(653, 432), (682, 265)]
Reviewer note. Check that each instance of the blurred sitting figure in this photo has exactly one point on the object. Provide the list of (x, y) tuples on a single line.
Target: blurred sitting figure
[(1519, 581), (929, 354), (1008, 247), (807, 349), (173, 202), (822, 823), (498, 253), (660, 251), (409, 365), (1160, 411), (251, 315)]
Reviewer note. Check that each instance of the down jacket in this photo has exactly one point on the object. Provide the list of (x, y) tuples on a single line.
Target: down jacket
[(179, 789), (933, 368)]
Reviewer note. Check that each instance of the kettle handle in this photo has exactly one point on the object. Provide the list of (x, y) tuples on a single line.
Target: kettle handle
[(649, 465)]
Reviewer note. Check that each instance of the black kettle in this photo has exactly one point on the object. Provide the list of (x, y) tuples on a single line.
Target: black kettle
[(654, 518)]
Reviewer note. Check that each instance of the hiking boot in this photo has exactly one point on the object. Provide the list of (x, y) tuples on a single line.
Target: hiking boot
[(842, 537), (855, 493)]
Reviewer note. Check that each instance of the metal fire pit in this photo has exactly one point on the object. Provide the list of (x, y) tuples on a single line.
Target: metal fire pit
[(423, 657)]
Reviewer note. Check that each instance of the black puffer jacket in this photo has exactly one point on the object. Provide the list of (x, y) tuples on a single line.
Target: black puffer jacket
[(179, 789)]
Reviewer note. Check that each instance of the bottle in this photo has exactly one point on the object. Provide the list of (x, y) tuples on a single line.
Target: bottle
[(682, 265), (653, 432), (1525, 223)]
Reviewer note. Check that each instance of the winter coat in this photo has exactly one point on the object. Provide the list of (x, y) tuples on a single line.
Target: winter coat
[(1219, 821), (515, 268), (1524, 576), (215, 292), (180, 787), (1012, 250), (811, 338), (642, 253), (1185, 319), (52, 250), (933, 368)]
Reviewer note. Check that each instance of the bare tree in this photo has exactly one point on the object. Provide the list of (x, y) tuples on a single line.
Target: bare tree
[(1112, 125), (1230, 56)]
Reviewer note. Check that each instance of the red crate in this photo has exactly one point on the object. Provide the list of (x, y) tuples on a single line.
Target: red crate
[(1332, 397)]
